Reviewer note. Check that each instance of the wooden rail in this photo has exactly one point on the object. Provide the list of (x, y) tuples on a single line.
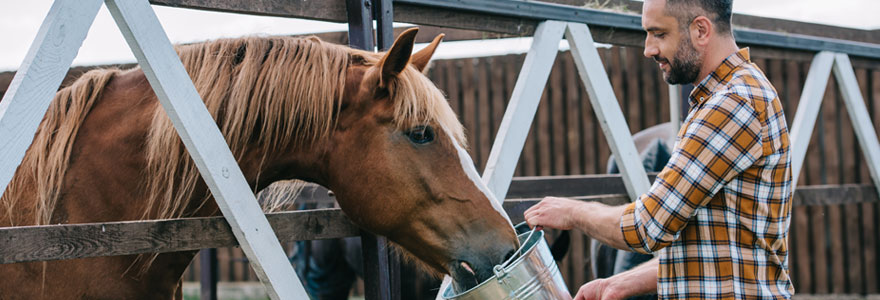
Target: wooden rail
[(56, 242)]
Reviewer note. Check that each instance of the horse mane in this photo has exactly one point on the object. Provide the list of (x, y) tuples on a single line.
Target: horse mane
[(47, 159), (264, 92)]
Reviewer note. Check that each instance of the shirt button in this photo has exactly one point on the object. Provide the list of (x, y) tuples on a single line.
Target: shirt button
[(702, 99)]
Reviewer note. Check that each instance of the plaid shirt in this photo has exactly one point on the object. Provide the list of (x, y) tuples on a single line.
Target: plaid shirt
[(721, 206)]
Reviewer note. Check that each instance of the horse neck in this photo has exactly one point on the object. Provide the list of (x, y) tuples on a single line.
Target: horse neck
[(261, 167)]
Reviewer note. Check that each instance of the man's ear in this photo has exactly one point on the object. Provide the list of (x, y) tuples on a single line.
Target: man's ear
[(396, 59), (420, 59), (701, 30)]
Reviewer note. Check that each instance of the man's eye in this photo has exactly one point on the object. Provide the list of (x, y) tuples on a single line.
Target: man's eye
[(659, 35)]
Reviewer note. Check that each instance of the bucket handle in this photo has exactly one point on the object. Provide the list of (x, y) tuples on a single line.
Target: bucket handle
[(499, 271)]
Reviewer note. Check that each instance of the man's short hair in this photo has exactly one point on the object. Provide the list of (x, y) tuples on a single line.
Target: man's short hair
[(718, 11)]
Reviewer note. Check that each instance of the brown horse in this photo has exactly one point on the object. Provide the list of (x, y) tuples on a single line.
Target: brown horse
[(369, 126)]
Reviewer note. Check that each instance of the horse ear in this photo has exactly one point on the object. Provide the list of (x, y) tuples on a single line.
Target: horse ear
[(395, 60), (420, 59)]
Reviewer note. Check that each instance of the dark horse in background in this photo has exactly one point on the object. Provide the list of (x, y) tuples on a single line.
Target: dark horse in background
[(369, 126)]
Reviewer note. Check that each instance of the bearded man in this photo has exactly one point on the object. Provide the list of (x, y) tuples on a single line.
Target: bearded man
[(718, 214)]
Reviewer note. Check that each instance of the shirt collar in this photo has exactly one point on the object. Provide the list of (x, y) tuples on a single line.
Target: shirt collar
[(703, 90)]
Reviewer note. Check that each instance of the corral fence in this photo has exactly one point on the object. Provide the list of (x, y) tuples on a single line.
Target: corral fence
[(834, 229)]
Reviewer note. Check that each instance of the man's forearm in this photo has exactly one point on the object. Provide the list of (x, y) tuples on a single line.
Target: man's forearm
[(638, 281), (601, 222)]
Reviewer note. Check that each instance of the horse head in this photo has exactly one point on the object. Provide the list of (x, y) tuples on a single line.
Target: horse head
[(396, 162)]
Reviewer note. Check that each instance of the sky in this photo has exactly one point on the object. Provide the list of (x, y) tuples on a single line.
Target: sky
[(19, 21)]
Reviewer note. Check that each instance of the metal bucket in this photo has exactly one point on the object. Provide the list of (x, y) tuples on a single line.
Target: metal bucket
[(530, 274)]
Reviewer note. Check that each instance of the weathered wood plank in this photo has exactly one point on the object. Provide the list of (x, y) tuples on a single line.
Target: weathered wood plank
[(819, 195), (543, 131), (31, 243), (565, 186), (871, 240), (484, 114), (52, 242), (558, 119), (854, 250), (604, 184), (800, 250), (838, 249), (820, 254), (469, 105), (574, 133), (862, 174), (496, 86), (580, 262), (453, 85)]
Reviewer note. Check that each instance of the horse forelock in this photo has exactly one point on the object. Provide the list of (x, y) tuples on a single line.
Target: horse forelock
[(418, 101)]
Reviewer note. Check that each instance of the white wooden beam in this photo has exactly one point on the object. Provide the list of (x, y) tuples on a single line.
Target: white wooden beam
[(206, 145), (521, 109), (808, 111), (607, 109), (858, 114), (36, 81)]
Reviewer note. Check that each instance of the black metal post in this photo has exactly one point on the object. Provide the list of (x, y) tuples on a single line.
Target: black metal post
[(360, 24), (208, 274), (384, 14), (381, 278)]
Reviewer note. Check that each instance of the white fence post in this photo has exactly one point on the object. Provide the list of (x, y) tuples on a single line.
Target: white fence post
[(607, 109), (808, 110), (38, 78), (206, 145), (858, 115), (521, 109)]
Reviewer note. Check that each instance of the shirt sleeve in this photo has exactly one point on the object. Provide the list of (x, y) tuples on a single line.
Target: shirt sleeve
[(722, 140)]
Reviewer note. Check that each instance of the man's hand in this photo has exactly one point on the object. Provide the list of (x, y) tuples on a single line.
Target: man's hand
[(639, 281), (599, 289), (599, 221), (553, 212)]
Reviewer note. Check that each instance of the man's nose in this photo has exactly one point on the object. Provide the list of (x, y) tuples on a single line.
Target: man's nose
[(651, 51)]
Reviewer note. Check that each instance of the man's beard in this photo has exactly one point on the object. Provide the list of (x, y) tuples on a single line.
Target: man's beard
[(684, 66)]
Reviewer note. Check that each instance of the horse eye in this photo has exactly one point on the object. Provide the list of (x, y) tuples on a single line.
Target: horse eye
[(421, 134)]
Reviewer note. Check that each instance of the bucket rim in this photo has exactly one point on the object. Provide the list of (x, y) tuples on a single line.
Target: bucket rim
[(537, 235)]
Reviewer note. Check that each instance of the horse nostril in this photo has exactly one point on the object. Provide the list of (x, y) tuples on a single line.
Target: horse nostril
[(468, 268)]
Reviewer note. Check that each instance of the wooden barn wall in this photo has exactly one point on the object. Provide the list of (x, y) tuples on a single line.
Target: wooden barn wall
[(834, 247)]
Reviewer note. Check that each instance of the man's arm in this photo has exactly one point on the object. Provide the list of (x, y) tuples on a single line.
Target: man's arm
[(597, 220), (721, 141), (637, 281)]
